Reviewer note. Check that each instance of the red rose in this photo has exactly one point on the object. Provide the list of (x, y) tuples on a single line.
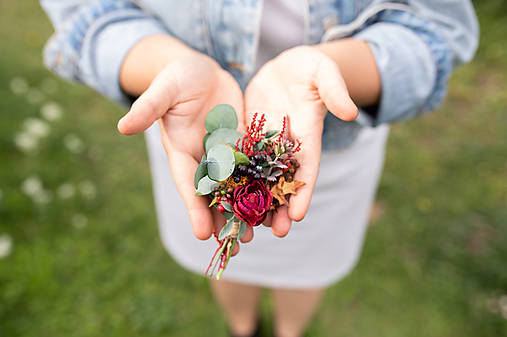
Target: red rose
[(251, 202)]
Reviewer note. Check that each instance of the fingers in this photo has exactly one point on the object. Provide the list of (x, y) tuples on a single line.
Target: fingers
[(248, 236), (333, 91), (235, 250), (267, 222), (183, 166), (151, 105), (281, 223), (308, 171)]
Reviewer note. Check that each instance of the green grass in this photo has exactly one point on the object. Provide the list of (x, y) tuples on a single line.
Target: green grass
[(434, 262)]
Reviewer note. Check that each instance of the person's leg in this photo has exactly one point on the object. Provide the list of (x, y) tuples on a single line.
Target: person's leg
[(294, 310), (240, 303)]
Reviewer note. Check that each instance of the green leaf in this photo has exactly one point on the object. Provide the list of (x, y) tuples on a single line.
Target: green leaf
[(227, 206), (241, 158), (201, 171), (259, 146), (271, 133), (226, 229), (205, 139), (220, 162), (221, 116), (228, 215), (242, 229), (205, 186), (219, 136)]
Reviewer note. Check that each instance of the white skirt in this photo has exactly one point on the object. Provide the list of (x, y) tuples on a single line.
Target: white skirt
[(317, 252)]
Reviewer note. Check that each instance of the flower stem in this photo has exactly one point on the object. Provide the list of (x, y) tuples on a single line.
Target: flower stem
[(214, 261), (224, 252), (230, 248)]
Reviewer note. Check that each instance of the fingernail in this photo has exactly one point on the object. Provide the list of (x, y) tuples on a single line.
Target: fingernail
[(120, 124)]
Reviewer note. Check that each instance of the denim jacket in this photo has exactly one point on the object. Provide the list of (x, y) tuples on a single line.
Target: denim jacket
[(416, 44)]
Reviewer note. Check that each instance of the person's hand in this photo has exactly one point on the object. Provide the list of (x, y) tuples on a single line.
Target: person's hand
[(303, 84), (180, 97)]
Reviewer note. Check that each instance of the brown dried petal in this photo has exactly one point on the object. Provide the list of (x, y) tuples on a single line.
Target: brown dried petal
[(291, 187)]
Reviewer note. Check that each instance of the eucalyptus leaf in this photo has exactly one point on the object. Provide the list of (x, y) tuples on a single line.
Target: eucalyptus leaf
[(205, 186), (222, 136), (201, 171), (241, 158), (226, 229), (228, 215), (220, 162), (227, 206), (205, 139), (221, 116)]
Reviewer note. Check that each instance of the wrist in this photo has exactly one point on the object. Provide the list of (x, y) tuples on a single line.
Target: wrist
[(357, 64), (148, 58)]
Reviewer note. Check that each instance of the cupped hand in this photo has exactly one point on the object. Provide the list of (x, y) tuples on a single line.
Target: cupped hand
[(180, 97), (303, 84)]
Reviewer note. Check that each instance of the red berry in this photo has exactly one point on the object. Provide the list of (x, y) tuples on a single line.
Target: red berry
[(220, 208)]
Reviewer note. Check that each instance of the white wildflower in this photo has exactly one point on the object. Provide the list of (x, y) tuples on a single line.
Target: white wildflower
[(36, 127), (42, 197), (51, 111), (34, 96), (19, 85), (73, 143), (31, 186), (25, 141), (5, 245), (88, 189), (66, 191), (502, 303), (79, 220)]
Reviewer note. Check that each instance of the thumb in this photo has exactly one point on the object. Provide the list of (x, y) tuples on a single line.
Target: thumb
[(151, 105), (333, 91)]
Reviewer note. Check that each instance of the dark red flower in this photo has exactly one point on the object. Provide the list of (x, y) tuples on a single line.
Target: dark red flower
[(252, 202)]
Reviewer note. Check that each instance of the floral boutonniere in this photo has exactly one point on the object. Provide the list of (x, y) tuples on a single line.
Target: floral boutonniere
[(245, 176)]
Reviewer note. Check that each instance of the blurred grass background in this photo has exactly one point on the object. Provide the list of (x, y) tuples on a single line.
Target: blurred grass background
[(79, 248)]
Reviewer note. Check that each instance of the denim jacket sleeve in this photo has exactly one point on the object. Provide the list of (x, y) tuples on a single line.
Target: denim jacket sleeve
[(416, 51), (92, 38)]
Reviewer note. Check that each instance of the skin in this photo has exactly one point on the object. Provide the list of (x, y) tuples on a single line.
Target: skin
[(177, 86), (304, 96), (169, 94)]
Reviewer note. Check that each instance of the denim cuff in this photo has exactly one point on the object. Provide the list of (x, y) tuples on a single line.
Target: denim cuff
[(104, 53), (414, 63), (91, 46)]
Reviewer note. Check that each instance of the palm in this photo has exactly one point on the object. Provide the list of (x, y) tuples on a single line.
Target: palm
[(180, 97), (301, 84), (202, 86)]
